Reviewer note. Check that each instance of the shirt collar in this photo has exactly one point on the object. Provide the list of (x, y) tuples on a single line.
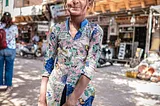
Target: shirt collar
[(83, 23)]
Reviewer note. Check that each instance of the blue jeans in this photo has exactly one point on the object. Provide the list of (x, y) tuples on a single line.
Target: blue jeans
[(7, 57)]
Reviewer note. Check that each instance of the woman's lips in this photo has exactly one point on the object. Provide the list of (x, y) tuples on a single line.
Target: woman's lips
[(75, 7)]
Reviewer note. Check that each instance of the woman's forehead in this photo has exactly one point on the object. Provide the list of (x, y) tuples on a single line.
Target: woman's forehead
[(80, 0)]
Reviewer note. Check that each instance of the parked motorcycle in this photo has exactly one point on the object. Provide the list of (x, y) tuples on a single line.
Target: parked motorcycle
[(29, 49), (105, 56)]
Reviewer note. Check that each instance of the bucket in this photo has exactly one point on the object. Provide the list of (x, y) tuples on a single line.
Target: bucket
[(131, 74)]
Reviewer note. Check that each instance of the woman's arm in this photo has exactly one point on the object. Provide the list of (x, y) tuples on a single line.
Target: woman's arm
[(43, 89), (49, 58)]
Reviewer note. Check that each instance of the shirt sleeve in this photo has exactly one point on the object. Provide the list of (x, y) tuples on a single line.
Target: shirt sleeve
[(15, 30), (93, 53), (51, 53)]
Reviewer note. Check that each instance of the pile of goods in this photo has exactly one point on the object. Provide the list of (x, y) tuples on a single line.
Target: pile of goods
[(148, 69)]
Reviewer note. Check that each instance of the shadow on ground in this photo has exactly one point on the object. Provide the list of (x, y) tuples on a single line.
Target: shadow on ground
[(113, 89), (26, 84)]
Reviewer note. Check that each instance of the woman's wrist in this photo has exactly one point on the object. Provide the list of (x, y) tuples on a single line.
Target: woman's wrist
[(42, 99), (73, 97)]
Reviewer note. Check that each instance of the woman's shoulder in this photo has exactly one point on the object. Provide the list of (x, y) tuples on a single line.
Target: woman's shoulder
[(13, 27), (57, 26), (95, 26)]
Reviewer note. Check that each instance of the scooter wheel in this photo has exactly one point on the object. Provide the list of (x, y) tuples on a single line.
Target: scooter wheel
[(38, 53), (21, 53)]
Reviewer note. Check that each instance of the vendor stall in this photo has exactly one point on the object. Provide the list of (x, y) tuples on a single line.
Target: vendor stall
[(127, 38), (153, 37)]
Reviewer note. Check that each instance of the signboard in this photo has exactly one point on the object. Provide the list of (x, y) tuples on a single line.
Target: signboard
[(44, 28), (29, 10), (122, 50), (57, 10)]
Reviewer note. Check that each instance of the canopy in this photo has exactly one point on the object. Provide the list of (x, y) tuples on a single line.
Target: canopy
[(150, 22), (155, 8)]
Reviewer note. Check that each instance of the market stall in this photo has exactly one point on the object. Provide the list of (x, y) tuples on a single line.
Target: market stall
[(153, 37), (149, 67)]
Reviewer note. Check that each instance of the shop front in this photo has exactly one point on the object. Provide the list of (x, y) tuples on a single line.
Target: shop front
[(33, 30), (128, 37), (153, 36), (124, 35)]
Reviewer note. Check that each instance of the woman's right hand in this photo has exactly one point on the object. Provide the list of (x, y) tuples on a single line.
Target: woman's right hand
[(42, 98), (42, 103)]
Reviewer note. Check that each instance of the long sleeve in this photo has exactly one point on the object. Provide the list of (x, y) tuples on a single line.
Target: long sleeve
[(93, 53), (15, 30), (51, 53)]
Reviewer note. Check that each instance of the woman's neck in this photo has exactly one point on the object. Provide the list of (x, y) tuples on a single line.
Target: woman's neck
[(76, 21)]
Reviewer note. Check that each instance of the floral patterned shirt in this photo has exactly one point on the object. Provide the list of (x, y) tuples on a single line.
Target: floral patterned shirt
[(68, 58), (11, 33)]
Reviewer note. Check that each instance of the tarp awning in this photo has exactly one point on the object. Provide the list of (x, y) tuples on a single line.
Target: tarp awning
[(156, 8)]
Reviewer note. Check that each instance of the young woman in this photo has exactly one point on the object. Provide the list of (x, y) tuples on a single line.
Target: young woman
[(71, 59), (8, 54)]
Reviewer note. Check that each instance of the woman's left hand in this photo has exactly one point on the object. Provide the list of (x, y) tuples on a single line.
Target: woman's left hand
[(71, 101)]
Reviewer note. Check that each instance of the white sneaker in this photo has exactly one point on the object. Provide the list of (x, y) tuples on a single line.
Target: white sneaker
[(3, 87)]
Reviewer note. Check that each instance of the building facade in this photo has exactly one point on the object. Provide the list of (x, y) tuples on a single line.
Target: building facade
[(1, 8), (21, 8)]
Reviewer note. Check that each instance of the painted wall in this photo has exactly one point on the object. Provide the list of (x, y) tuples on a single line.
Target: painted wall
[(25, 3), (8, 8), (20, 7)]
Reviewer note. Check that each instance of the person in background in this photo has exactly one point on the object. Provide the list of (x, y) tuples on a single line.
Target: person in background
[(35, 38), (117, 44), (7, 55), (71, 58)]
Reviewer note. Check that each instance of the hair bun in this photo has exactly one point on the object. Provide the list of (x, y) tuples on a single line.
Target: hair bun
[(7, 14)]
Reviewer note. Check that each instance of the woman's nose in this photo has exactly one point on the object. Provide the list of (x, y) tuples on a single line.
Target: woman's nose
[(75, 1)]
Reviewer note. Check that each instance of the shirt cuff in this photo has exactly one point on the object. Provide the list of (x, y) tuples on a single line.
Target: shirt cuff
[(88, 72), (45, 74)]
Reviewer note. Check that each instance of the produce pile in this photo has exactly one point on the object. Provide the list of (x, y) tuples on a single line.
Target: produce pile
[(148, 69)]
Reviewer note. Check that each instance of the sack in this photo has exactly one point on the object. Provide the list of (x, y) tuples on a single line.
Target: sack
[(3, 42)]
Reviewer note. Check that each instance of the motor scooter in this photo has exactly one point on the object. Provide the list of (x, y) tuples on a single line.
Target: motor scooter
[(29, 49)]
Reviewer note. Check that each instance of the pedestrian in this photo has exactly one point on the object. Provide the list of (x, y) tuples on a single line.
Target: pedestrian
[(7, 55), (71, 58), (35, 38)]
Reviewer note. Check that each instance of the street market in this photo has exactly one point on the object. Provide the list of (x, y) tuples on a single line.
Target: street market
[(128, 68)]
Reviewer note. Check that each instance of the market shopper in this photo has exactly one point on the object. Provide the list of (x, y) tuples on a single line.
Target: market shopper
[(35, 38), (7, 55), (70, 60)]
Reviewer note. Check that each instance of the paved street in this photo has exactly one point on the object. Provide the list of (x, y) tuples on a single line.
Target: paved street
[(112, 87)]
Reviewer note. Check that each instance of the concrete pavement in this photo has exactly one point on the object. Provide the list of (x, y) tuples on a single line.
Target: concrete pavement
[(112, 87)]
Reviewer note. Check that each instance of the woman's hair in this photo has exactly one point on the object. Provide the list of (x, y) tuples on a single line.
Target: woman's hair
[(7, 19)]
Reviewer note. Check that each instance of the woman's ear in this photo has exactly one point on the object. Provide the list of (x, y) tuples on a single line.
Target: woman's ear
[(90, 2)]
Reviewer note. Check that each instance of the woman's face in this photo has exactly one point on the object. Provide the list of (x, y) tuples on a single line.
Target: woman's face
[(77, 7)]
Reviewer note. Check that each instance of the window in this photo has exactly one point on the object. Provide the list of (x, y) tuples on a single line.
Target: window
[(18, 3), (26, 2), (7, 2)]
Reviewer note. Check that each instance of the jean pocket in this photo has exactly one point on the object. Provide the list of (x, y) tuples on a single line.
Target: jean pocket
[(1, 52), (9, 52)]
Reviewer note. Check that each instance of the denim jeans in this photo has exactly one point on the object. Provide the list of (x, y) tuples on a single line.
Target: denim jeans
[(7, 57)]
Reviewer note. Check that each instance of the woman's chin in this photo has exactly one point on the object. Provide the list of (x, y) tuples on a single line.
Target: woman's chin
[(75, 13)]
